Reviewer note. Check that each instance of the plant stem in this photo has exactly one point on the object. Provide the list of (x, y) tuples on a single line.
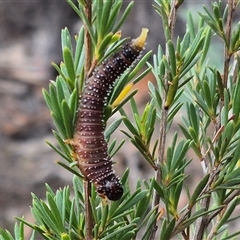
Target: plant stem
[(227, 54), (87, 38), (158, 173), (225, 204), (233, 195), (203, 222), (173, 16), (88, 211), (236, 66), (163, 121), (87, 184)]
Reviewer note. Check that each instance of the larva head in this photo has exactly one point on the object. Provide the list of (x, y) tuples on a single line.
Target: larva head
[(131, 50), (111, 188)]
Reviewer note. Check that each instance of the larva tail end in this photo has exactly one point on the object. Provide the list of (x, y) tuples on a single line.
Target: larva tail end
[(141, 40)]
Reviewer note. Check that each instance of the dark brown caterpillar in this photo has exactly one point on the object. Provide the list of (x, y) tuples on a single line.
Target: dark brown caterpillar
[(89, 144)]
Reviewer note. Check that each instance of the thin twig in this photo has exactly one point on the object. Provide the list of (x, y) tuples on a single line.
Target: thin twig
[(87, 184), (227, 54), (163, 122), (158, 174), (225, 203), (236, 66), (87, 38), (207, 192), (173, 17), (236, 60), (88, 210), (203, 222)]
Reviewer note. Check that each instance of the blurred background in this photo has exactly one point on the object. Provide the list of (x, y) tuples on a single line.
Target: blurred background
[(29, 42)]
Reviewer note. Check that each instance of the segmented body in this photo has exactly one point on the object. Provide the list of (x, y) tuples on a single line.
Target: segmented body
[(90, 146)]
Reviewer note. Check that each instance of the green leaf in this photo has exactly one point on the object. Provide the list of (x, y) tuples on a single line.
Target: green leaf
[(66, 149), (61, 89), (55, 105), (143, 204), (159, 189), (235, 39), (128, 235), (139, 65), (206, 46), (172, 58), (199, 100), (232, 175), (113, 151), (227, 213), (194, 118), (187, 67), (59, 125), (112, 128), (231, 236), (191, 31), (195, 47), (5, 235), (125, 100), (151, 220), (55, 213), (141, 75), (79, 52), (113, 16), (172, 90), (198, 190), (155, 94), (104, 12), (124, 16), (19, 231), (169, 228), (235, 99), (66, 39), (43, 215), (73, 105), (47, 98), (68, 60), (207, 94), (130, 126), (60, 71), (65, 236), (199, 213), (185, 44), (80, 12), (70, 169), (105, 42), (131, 201), (104, 216), (121, 229), (67, 119)]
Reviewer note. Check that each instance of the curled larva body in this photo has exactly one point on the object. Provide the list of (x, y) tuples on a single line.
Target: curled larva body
[(89, 144)]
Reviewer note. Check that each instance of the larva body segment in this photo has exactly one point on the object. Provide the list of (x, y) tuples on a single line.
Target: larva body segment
[(89, 144)]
